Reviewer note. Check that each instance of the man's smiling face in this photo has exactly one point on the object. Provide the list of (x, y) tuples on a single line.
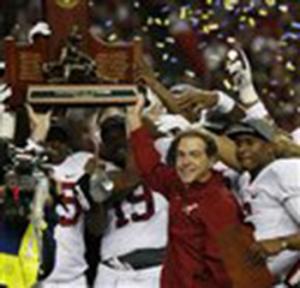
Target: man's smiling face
[(192, 162)]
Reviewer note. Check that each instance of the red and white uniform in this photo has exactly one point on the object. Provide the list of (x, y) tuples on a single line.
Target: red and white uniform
[(70, 263), (272, 204), (138, 222)]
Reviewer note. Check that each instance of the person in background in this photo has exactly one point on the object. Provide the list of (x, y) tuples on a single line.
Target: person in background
[(133, 243), (68, 167)]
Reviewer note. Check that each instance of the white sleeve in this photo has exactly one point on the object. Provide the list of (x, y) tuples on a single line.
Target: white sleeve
[(296, 135), (292, 206), (287, 175), (162, 145), (258, 110), (110, 167)]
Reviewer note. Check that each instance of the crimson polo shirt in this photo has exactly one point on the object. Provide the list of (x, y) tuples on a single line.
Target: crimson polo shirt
[(197, 215)]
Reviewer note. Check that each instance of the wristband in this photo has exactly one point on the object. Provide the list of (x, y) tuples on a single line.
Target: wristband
[(225, 103), (257, 110), (248, 95)]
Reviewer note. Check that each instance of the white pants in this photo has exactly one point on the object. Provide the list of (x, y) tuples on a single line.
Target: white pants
[(79, 282), (111, 278)]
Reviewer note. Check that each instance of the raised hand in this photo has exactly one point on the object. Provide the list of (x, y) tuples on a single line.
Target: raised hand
[(172, 123), (134, 113), (5, 92), (195, 99), (41, 28), (39, 123), (238, 66)]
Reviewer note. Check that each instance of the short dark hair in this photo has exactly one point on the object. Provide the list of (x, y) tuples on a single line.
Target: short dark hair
[(58, 132), (211, 148), (112, 123)]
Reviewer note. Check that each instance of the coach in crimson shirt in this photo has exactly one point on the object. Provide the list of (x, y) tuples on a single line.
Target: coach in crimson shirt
[(201, 207)]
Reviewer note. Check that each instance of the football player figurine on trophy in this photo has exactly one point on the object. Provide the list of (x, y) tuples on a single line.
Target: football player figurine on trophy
[(73, 66)]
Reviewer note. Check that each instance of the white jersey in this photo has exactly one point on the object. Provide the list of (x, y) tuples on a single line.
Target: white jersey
[(272, 204), (70, 262), (139, 221), (296, 135)]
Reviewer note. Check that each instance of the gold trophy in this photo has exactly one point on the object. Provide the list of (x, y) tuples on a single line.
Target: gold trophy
[(70, 66)]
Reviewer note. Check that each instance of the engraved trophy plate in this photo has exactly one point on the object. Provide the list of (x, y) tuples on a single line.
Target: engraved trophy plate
[(81, 94)]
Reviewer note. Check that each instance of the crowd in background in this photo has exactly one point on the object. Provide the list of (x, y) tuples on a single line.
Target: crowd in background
[(186, 41)]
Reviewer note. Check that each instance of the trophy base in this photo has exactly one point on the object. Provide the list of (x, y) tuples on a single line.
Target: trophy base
[(82, 95)]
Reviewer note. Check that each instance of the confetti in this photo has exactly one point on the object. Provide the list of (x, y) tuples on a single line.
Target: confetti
[(145, 29), (158, 21), (213, 26), (251, 22), (205, 29), (170, 40), (195, 21), (263, 12), (231, 40), (283, 8), (204, 16), (174, 60), (150, 21), (165, 57), (279, 58), (165, 9), (156, 74), (227, 84), (137, 38), (108, 23), (274, 82), (167, 22), (243, 18), (242, 26), (290, 66), (160, 45), (292, 92), (290, 36), (296, 25), (112, 37), (230, 4), (190, 73), (270, 3), (183, 13)]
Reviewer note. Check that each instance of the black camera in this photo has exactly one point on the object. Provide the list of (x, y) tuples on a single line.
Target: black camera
[(19, 183)]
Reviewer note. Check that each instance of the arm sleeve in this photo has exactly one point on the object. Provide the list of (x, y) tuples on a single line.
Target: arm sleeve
[(287, 176), (155, 174), (292, 205)]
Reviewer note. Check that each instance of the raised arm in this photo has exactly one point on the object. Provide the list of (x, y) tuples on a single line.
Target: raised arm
[(147, 159)]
